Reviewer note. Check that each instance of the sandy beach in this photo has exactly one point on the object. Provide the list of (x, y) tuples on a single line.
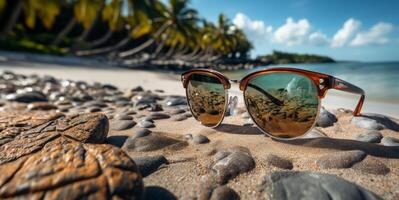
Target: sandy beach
[(170, 82)]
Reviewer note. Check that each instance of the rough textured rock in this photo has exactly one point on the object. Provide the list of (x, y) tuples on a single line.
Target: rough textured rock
[(277, 161), (308, 185), (209, 189), (235, 161), (326, 118), (375, 122), (369, 136), (26, 133), (149, 164), (344, 159), (49, 156), (390, 141)]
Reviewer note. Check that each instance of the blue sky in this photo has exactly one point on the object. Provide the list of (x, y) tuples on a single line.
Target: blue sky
[(363, 30)]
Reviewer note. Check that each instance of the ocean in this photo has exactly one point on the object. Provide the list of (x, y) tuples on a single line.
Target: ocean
[(380, 80)]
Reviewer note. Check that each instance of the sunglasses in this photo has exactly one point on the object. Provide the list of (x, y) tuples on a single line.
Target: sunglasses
[(283, 102)]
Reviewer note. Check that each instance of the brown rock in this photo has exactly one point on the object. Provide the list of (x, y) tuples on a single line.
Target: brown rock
[(372, 165), (48, 156)]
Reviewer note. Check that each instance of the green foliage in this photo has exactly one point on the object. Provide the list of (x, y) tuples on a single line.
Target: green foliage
[(28, 45), (279, 57)]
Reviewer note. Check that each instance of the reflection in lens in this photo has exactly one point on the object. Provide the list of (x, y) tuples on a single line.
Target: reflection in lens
[(282, 104), (206, 97)]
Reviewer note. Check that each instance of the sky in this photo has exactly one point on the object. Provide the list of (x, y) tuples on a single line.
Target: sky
[(353, 30)]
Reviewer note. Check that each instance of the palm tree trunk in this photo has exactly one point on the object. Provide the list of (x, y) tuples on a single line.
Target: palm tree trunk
[(101, 40), (14, 17), (146, 43), (68, 28), (107, 49)]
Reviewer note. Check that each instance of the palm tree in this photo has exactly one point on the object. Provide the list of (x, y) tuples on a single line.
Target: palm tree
[(14, 17), (175, 19), (45, 10), (87, 12)]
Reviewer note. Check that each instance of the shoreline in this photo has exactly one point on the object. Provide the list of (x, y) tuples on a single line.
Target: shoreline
[(170, 83)]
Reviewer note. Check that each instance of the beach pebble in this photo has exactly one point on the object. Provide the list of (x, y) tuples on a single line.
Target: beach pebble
[(375, 122), (326, 118), (156, 192), (119, 125), (149, 143), (137, 89), (154, 107), (41, 106), (177, 111), (341, 159), (123, 116), (277, 161), (291, 185), (237, 160), (27, 97), (175, 100), (369, 136), (159, 115), (390, 141), (142, 132), (372, 165), (146, 124), (224, 193), (200, 139), (117, 140), (179, 117), (93, 109), (149, 164)]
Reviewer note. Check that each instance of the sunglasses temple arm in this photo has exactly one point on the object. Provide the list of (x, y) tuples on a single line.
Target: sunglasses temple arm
[(342, 85), (268, 95)]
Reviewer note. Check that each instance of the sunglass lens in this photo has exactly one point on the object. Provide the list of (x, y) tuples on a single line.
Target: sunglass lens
[(207, 98), (284, 105)]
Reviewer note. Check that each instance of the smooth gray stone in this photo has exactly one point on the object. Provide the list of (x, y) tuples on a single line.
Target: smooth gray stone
[(179, 118), (158, 115), (200, 139), (314, 133), (123, 117), (224, 193), (238, 160), (176, 111), (27, 97), (369, 136), (119, 125), (375, 122), (342, 159), (149, 164), (390, 141), (286, 185), (140, 133), (146, 124), (149, 143), (137, 89), (277, 161), (175, 100), (158, 193), (326, 118)]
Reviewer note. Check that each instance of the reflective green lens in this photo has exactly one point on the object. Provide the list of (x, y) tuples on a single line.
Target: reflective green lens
[(207, 99), (282, 104)]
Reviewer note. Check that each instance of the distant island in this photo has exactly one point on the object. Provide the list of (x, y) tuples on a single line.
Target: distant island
[(278, 57)]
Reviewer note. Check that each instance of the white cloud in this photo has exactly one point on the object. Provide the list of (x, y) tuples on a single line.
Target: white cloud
[(346, 33), (378, 34), (292, 33), (318, 39), (255, 29)]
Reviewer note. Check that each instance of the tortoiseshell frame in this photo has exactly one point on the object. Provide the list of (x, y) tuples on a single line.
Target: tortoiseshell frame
[(323, 82)]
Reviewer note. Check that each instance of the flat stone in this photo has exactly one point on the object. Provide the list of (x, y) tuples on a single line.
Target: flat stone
[(140, 133), (149, 164), (41, 106), (342, 159), (176, 111), (123, 117), (375, 122), (308, 185), (200, 139), (372, 165), (279, 162), (369, 136), (137, 89), (27, 97), (93, 109), (159, 115), (237, 160), (149, 143), (326, 118), (390, 141), (146, 124), (175, 100), (120, 125), (179, 117), (156, 192)]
